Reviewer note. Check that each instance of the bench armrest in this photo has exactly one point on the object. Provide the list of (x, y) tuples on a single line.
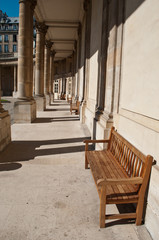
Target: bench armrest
[(126, 181), (96, 141)]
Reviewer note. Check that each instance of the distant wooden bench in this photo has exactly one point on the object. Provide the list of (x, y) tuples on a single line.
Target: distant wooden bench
[(121, 174), (69, 99), (74, 107), (63, 96)]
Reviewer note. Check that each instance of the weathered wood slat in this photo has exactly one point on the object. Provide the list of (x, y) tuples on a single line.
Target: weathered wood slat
[(127, 143), (120, 216)]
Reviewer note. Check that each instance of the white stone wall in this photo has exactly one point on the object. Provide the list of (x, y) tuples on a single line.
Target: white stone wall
[(138, 117)]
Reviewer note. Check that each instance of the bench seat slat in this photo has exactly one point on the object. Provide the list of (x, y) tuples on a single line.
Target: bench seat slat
[(103, 165)]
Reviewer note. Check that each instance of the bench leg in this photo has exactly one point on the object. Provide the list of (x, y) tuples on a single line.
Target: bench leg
[(139, 211), (102, 207), (86, 163)]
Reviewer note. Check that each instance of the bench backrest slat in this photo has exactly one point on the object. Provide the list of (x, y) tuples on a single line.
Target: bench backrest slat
[(130, 158)]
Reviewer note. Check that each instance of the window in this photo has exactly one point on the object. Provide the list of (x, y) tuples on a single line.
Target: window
[(56, 86), (10, 27), (0, 48), (5, 48), (14, 48), (6, 27), (14, 38), (0, 38), (14, 27), (6, 38)]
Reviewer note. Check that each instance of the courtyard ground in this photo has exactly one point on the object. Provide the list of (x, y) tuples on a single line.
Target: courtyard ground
[(45, 192)]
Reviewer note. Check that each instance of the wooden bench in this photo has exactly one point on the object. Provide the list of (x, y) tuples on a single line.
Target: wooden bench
[(69, 99), (63, 96), (121, 174), (74, 107)]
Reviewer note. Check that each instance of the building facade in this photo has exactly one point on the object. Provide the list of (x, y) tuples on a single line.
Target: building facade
[(8, 51), (8, 34), (9, 27)]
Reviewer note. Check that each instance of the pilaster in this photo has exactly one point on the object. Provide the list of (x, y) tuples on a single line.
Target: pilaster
[(110, 78), (87, 9)]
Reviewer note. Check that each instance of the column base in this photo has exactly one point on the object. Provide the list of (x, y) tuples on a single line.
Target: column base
[(5, 129), (51, 98), (103, 130), (24, 111), (48, 99), (40, 103), (15, 94), (82, 112)]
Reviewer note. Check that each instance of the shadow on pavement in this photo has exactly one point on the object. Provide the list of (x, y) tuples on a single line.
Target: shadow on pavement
[(27, 150), (9, 166)]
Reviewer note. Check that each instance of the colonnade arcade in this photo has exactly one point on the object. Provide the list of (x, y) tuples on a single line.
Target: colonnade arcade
[(103, 54)]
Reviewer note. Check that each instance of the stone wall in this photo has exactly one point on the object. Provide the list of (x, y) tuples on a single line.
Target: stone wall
[(138, 115), (128, 96)]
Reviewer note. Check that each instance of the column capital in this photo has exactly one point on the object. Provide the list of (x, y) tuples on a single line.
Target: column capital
[(34, 2), (41, 27), (52, 53), (86, 5), (48, 43)]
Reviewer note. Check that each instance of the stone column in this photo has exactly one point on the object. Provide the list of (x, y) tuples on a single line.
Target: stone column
[(25, 107), (48, 45), (15, 81), (52, 55), (41, 30), (5, 124), (34, 82)]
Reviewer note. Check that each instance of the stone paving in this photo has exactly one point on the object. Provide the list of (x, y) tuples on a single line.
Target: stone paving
[(45, 192)]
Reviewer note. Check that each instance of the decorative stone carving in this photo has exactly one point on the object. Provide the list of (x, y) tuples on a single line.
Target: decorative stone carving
[(41, 27), (33, 4), (48, 43), (86, 5), (52, 53)]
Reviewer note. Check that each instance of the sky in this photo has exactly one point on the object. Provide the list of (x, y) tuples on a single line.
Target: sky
[(11, 7)]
